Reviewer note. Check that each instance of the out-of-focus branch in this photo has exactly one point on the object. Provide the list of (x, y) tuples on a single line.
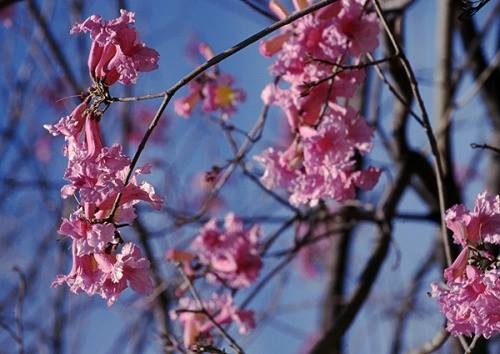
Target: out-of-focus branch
[(162, 302), (434, 344), (331, 338), (410, 298), (438, 164), (471, 7), (397, 5), (205, 312), (53, 45), (19, 310), (444, 96), (485, 147), (489, 92), (239, 155), (5, 3), (260, 10)]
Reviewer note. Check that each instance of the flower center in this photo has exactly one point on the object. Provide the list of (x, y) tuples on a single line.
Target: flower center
[(224, 95)]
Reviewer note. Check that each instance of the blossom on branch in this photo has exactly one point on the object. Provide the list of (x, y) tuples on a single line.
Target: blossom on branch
[(213, 89), (317, 58), (198, 326), (470, 299), (108, 275), (232, 254), (100, 177), (319, 163), (116, 54)]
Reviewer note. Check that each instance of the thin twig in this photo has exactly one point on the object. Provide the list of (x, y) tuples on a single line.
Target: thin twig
[(19, 310), (434, 344), (53, 45), (394, 91), (261, 11), (485, 147), (426, 124), (205, 312)]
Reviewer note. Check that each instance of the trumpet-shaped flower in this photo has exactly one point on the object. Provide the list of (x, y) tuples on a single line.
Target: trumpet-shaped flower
[(116, 54)]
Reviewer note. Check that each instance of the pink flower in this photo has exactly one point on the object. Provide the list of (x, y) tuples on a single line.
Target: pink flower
[(278, 171), (99, 179), (320, 164), (471, 302), (470, 298), (84, 274), (102, 264), (213, 89), (108, 275), (232, 254), (116, 53), (184, 106), (71, 125), (221, 308), (353, 29), (219, 95), (6, 15), (88, 238), (130, 267), (274, 45), (482, 224), (339, 30)]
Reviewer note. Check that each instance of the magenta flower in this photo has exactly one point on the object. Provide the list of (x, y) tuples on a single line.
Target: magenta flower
[(116, 53)]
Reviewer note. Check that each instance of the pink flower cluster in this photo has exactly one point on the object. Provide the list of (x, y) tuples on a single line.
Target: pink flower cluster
[(116, 53), (231, 255), (311, 55), (102, 263), (470, 299), (198, 327), (214, 90)]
